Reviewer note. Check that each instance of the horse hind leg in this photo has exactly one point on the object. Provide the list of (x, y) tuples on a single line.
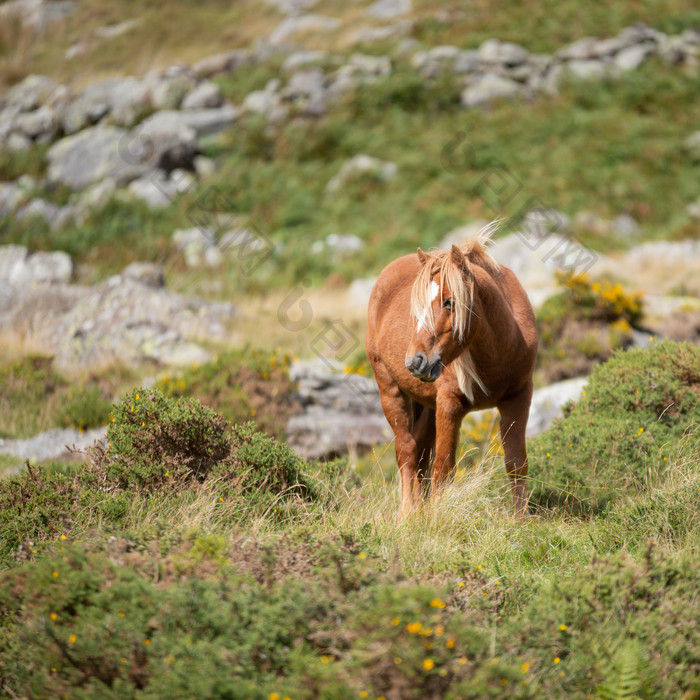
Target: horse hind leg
[(514, 413)]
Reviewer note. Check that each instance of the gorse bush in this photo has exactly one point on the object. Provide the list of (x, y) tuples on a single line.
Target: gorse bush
[(617, 438), (323, 620), (153, 439), (242, 385), (582, 325), (84, 407)]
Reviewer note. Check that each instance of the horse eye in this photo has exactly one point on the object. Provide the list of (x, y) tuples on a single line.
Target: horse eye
[(448, 304)]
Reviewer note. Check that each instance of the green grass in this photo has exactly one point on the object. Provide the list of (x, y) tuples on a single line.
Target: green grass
[(611, 146)]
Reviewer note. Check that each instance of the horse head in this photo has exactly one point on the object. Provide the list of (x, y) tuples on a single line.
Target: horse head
[(443, 312)]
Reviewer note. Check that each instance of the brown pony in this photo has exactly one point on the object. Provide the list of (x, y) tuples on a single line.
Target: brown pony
[(449, 332)]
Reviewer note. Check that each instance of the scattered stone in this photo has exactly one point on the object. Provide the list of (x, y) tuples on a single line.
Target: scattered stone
[(11, 194), (292, 7), (624, 226), (206, 95), (41, 125), (52, 444), (632, 57), (488, 88), (204, 166), (226, 62), (37, 14), (389, 9), (365, 35), (33, 92), (502, 52), (301, 59), (339, 243), (362, 165), (39, 208), (147, 273), (41, 269), (195, 244), (587, 69), (306, 91), (692, 145), (17, 142), (547, 403)]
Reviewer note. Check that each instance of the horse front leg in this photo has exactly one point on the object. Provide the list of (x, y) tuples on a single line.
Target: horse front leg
[(449, 415), (514, 413)]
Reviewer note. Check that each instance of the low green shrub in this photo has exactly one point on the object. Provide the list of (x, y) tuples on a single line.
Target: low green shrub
[(242, 385), (616, 439), (155, 440), (84, 407)]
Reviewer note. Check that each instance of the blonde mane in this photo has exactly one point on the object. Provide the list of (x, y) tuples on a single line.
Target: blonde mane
[(449, 275)]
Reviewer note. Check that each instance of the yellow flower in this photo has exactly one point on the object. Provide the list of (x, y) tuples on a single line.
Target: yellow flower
[(563, 628), (414, 627), (525, 667), (72, 639), (146, 641), (53, 616), (273, 696), (121, 614), (326, 659), (137, 397), (397, 660), (395, 621), (362, 555), (450, 643), (437, 603), (143, 424), (55, 574), (556, 659), (478, 567), (462, 660), (63, 537), (439, 630), (495, 583), (428, 664), (363, 693)]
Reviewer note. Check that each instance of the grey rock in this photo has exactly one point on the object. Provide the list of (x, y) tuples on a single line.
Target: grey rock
[(146, 273), (584, 49), (97, 153), (365, 65), (94, 198), (507, 53), (302, 23), (260, 102), (389, 9), (168, 91), (33, 92), (153, 189), (204, 166), (632, 57), (200, 122), (39, 208), (587, 69), (119, 319), (490, 87), (41, 269), (206, 95), (194, 243), (17, 142), (52, 444), (301, 59), (226, 62), (11, 256), (466, 62), (625, 226), (342, 412), (339, 243), (548, 402), (11, 195), (542, 222), (42, 124), (359, 166)]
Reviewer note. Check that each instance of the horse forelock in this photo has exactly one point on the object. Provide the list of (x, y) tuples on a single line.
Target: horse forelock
[(442, 269)]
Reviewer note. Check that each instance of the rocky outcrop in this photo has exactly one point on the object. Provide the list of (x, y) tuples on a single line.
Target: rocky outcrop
[(128, 318)]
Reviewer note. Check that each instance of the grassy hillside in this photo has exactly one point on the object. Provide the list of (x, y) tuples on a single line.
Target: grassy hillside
[(188, 559)]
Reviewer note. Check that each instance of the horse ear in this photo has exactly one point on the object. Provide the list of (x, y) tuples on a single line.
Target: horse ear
[(422, 257), (459, 258)]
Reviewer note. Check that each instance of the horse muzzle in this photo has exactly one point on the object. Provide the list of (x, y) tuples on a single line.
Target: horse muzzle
[(424, 368)]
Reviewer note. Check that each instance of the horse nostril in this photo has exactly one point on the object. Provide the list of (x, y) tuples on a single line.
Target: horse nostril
[(416, 363)]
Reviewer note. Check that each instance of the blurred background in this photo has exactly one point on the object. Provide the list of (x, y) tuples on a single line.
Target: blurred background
[(191, 189)]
